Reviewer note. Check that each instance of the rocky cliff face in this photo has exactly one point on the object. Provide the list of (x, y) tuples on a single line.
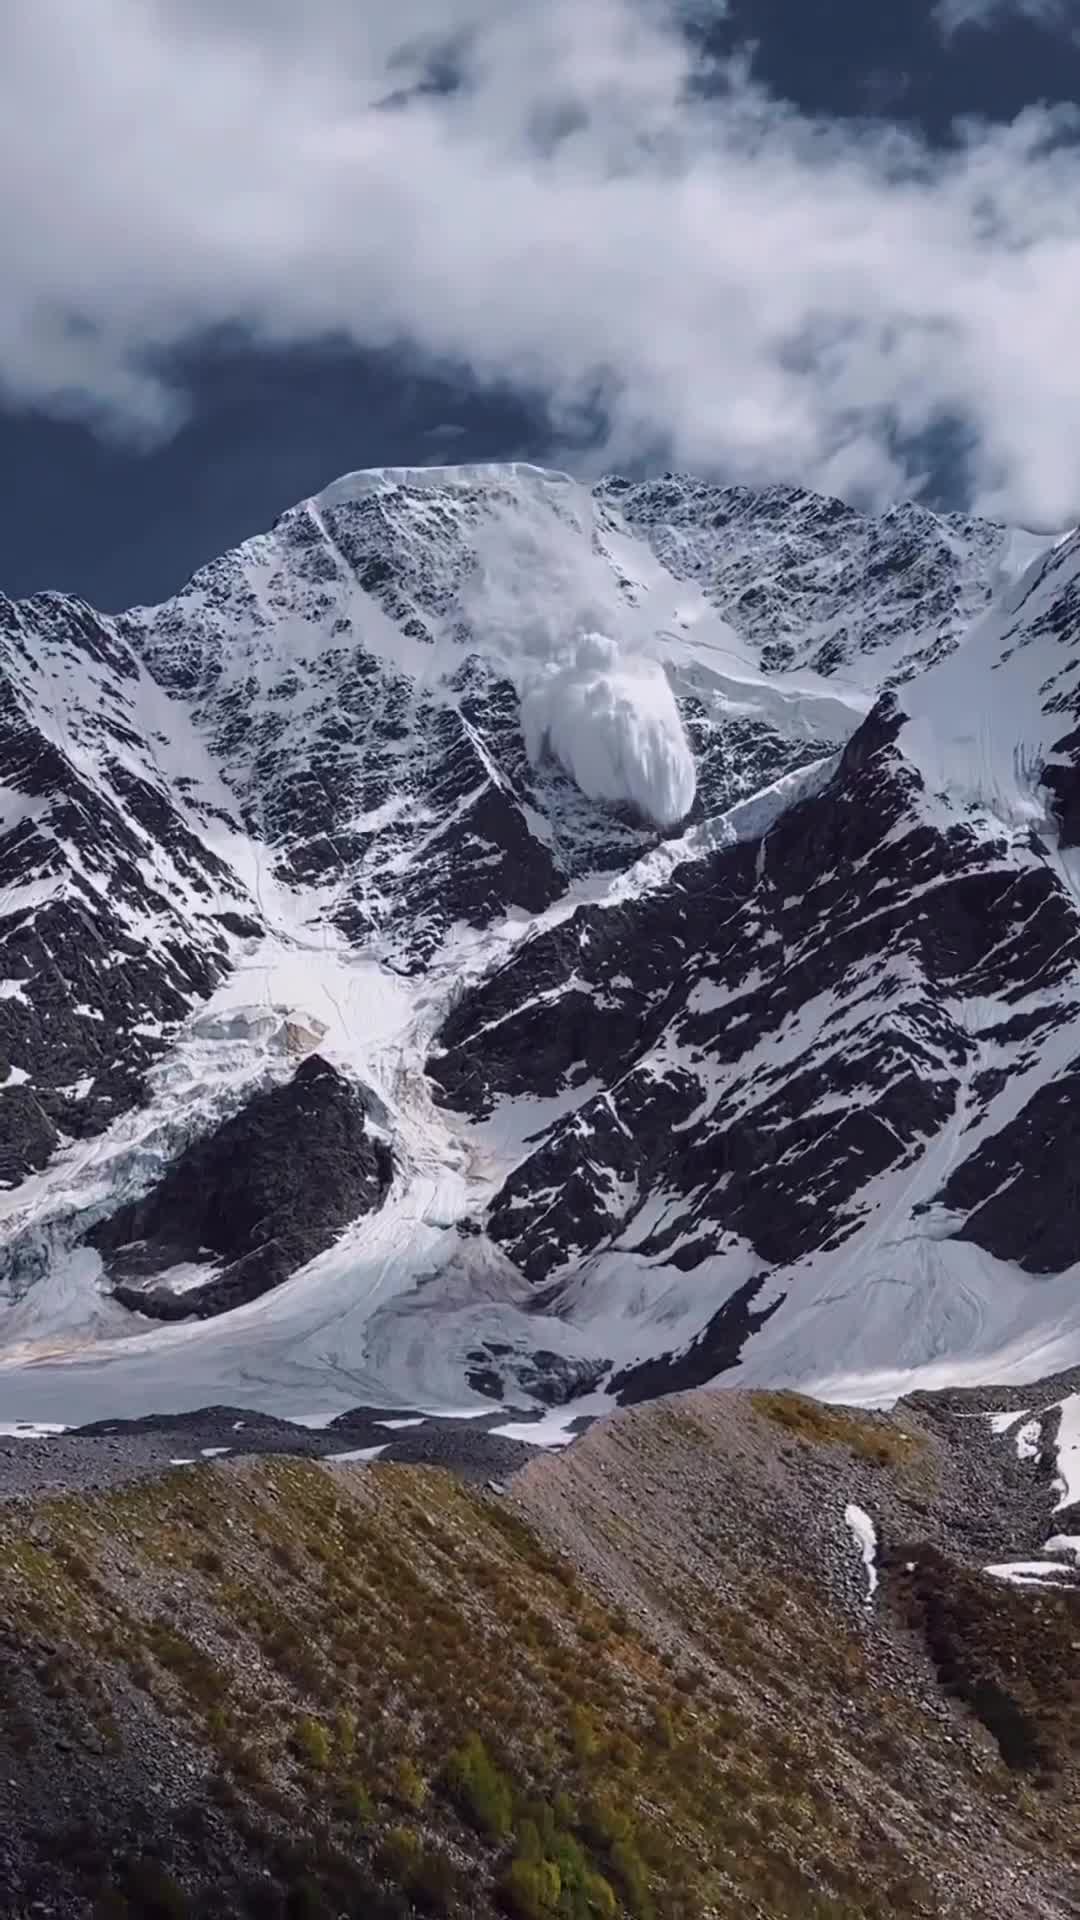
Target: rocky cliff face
[(680, 883), (243, 1207)]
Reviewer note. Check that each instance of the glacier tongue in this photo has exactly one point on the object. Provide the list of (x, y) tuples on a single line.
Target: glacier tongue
[(685, 877)]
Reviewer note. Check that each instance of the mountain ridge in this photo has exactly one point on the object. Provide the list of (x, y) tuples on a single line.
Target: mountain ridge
[(742, 1653), (525, 797)]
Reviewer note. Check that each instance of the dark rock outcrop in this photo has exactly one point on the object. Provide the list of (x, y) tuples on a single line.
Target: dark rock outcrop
[(256, 1199), (27, 1135), (700, 1098), (1021, 1189), (715, 1351)]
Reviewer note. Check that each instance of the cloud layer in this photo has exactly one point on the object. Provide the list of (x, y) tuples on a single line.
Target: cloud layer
[(954, 14), (544, 194)]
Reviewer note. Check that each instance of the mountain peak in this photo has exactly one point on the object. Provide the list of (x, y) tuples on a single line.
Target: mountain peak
[(494, 476), (681, 878)]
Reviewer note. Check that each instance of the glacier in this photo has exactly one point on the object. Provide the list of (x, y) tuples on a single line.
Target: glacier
[(687, 878)]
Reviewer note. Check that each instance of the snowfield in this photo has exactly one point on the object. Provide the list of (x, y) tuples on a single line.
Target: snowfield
[(714, 989)]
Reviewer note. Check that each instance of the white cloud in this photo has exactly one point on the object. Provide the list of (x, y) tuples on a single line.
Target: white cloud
[(749, 291), (954, 14)]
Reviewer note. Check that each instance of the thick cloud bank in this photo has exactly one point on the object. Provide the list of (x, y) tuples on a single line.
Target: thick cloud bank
[(612, 722), (548, 194)]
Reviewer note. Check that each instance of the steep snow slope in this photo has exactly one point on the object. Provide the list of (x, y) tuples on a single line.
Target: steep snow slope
[(810, 582), (379, 677), (996, 726), (867, 1073), (712, 1014)]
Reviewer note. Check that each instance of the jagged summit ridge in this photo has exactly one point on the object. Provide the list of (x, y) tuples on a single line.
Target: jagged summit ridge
[(705, 958), (450, 560), (811, 582)]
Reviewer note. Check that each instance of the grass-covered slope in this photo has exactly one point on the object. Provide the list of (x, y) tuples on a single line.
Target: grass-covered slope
[(644, 1682)]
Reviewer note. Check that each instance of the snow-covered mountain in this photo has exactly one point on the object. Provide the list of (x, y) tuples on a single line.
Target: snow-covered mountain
[(487, 939)]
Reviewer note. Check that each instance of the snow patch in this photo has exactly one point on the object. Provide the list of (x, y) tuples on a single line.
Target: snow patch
[(864, 1534), (554, 1428), (1030, 1573), (1001, 1422), (1064, 1543), (185, 1275), (1068, 1453), (79, 1089)]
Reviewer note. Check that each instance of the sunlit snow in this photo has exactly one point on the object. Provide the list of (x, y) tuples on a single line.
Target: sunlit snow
[(864, 1534), (595, 638), (1001, 1422), (1030, 1573), (1068, 1453)]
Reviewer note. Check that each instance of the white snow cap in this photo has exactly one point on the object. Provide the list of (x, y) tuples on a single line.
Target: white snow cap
[(611, 720)]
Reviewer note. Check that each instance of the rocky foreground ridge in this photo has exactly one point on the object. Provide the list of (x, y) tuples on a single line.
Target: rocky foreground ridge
[(730, 1654)]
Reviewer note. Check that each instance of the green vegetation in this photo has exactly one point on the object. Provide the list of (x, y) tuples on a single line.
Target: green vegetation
[(410, 1787), (399, 1852), (313, 1743), (533, 1888), (870, 1437), (411, 1704), (357, 1803), (481, 1792)]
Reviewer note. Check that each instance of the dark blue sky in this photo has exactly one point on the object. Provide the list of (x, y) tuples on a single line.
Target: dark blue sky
[(120, 524), (124, 526), (852, 57)]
